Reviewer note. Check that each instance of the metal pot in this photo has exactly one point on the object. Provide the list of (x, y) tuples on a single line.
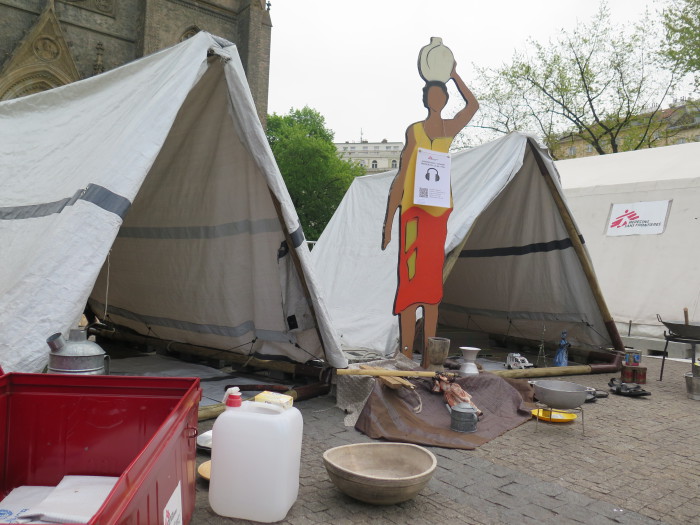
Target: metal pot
[(562, 395), (77, 355)]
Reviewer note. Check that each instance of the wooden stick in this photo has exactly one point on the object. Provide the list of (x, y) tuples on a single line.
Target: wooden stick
[(529, 372), (388, 373), (210, 411), (395, 383), (552, 371)]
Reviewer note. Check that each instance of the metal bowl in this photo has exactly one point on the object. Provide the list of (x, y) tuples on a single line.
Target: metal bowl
[(380, 473), (562, 395)]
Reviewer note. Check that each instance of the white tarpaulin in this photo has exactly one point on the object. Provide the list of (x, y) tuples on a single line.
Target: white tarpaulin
[(171, 146), (511, 266), (641, 275)]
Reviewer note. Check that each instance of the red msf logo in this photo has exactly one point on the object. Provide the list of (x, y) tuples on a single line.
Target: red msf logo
[(624, 219)]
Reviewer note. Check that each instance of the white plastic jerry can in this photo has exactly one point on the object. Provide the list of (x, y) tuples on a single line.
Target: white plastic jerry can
[(255, 459)]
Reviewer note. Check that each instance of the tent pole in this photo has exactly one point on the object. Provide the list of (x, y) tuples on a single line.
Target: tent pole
[(453, 256), (297, 264), (210, 353), (580, 251)]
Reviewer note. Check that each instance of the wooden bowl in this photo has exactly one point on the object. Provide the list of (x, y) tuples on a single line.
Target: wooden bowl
[(380, 473)]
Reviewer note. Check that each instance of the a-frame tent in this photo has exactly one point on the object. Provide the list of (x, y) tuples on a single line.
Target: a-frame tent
[(515, 262), (152, 190)]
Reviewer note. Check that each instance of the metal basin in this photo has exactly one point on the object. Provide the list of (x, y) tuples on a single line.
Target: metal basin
[(380, 473), (562, 395), (680, 329)]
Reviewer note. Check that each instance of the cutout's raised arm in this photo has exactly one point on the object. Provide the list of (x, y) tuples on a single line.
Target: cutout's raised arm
[(463, 116)]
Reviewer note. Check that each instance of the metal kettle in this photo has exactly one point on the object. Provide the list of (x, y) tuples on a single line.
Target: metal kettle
[(78, 355)]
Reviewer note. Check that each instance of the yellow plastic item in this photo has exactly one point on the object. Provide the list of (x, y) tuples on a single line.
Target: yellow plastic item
[(205, 470), (553, 416), (275, 398)]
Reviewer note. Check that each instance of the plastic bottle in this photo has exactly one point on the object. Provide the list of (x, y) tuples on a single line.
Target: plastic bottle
[(255, 459)]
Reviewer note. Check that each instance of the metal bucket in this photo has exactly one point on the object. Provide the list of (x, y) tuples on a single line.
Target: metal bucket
[(464, 418), (692, 385), (77, 355)]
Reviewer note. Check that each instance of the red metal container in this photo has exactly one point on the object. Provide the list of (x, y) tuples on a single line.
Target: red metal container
[(140, 429), (639, 375), (627, 374)]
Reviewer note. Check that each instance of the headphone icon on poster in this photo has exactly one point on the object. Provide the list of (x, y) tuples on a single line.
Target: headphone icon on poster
[(433, 172)]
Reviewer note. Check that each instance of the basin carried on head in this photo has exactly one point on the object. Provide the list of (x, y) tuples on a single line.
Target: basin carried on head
[(380, 473), (562, 395)]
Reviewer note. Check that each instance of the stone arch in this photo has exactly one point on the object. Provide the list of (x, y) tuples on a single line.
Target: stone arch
[(41, 61), (28, 81), (189, 32)]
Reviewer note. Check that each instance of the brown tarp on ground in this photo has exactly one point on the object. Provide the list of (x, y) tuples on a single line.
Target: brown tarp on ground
[(389, 414)]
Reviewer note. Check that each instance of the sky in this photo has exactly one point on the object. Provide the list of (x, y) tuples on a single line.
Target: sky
[(355, 61)]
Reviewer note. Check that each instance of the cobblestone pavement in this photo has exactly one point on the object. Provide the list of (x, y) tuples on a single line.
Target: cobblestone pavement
[(638, 462)]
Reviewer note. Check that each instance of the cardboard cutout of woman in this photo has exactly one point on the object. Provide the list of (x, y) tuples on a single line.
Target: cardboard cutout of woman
[(423, 228)]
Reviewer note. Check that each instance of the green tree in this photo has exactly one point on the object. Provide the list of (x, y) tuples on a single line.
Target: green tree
[(316, 177), (681, 46), (592, 82)]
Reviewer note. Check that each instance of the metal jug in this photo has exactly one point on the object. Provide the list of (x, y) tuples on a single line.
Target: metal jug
[(464, 417), (77, 355)]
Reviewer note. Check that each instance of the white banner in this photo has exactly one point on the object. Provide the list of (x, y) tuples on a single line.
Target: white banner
[(432, 181), (638, 218)]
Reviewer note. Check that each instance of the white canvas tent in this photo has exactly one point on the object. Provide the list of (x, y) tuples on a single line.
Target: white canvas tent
[(513, 265), (210, 251), (641, 275)]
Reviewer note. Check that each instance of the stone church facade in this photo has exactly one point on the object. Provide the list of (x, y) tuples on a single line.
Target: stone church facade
[(50, 43)]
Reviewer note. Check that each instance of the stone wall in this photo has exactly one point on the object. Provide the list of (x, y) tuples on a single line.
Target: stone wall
[(104, 34)]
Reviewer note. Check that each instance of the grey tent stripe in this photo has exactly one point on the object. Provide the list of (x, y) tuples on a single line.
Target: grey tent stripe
[(106, 199), (527, 316), (538, 247), (242, 329), (102, 197), (202, 232), (297, 237)]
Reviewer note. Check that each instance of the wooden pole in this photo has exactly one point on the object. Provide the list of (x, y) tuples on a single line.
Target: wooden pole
[(388, 373), (552, 371), (580, 252)]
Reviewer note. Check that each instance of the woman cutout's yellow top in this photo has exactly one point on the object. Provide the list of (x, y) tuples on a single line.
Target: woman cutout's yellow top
[(441, 144)]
